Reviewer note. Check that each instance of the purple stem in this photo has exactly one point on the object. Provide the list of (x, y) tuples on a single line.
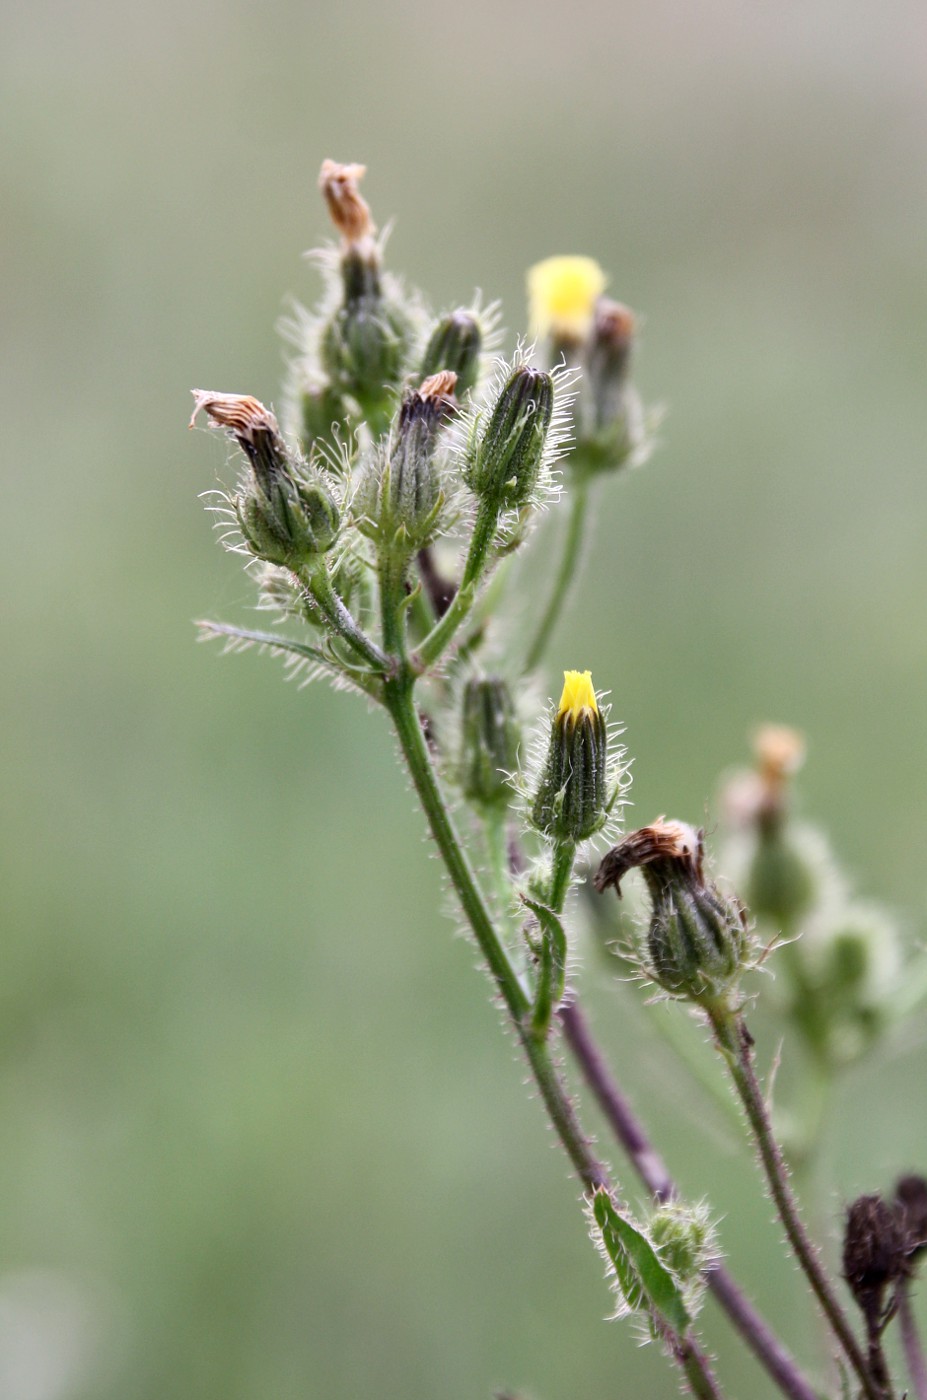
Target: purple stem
[(910, 1340), (652, 1170)]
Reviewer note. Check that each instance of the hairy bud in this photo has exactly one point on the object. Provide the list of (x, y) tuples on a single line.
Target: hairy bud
[(364, 344), (697, 943), (286, 517), (401, 494), (455, 344), (506, 461), (571, 802), (489, 742), (874, 1253)]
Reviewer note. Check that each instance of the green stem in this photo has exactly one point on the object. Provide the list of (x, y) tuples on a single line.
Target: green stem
[(331, 607), (495, 829), (701, 1382), (736, 1045), (569, 560), (398, 700), (444, 630), (562, 858)]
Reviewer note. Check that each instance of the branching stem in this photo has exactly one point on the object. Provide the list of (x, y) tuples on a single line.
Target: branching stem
[(736, 1046), (650, 1167), (911, 1342), (572, 546)]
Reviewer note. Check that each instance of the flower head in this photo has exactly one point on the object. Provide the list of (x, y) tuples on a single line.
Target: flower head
[(578, 697), (349, 211), (562, 295)]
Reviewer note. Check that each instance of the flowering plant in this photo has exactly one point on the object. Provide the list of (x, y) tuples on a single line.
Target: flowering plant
[(380, 523)]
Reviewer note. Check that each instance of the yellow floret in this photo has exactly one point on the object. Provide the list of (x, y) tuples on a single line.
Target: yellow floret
[(578, 696), (562, 293)]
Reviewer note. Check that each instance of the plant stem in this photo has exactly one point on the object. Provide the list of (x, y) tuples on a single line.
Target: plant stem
[(320, 587), (651, 1169), (736, 1045), (911, 1342), (700, 1379), (571, 550), (442, 634), (562, 858), (398, 700)]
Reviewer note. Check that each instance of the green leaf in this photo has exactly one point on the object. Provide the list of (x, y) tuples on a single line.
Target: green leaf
[(640, 1275), (551, 966)]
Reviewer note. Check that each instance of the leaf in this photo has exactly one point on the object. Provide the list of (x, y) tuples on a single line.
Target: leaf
[(640, 1275), (551, 966)]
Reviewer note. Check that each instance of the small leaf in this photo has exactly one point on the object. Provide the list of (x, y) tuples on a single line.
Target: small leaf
[(551, 966), (640, 1275)]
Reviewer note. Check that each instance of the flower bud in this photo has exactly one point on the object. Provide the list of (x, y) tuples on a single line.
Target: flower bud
[(364, 344), (455, 345), (697, 941), (401, 494), (562, 295), (489, 742), (911, 1209), (686, 1242), (322, 409), (505, 463), (874, 1252), (572, 799), (285, 518)]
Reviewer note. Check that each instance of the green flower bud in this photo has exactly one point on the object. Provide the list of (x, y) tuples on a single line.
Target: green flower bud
[(611, 428), (365, 343), (781, 882), (505, 462), (572, 799), (697, 942), (401, 495), (455, 345), (285, 518), (489, 742), (414, 483), (685, 1241), (322, 409)]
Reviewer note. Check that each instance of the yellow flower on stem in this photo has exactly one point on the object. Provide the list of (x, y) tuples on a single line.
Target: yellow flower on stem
[(562, 296), (578, 698)]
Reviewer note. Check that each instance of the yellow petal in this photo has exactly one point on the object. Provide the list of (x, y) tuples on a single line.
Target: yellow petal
[(578, 696), (562, 293)]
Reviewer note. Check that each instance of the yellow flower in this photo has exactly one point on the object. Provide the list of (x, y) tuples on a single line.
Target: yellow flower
[(562, 293), (578, 698)]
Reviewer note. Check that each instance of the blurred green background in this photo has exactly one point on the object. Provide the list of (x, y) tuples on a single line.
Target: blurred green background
[(260, 1135)]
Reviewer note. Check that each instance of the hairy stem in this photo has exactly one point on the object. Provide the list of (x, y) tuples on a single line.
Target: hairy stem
[(650, 1167), (319, 585), (736, 1045), (571, 549), (911, 1342), (445, 629), (398, 698)]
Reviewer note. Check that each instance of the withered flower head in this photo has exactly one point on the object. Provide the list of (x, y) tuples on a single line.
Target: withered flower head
[(780, 752), (697, 941), (911, 1205), (439, 386), (663, 840), (615, 324), (240, 413), (873, 1251), (349, 211)]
